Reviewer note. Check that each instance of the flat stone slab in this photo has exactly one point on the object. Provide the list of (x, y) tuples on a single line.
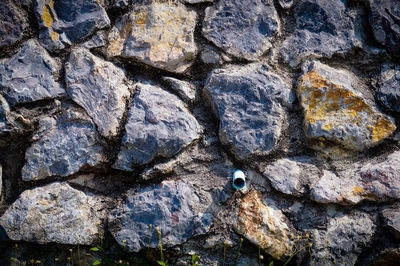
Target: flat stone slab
[(63, 22), (29, 75), (12, 23), (248, 100), (55, 213), (158, 34), (323, 28), (338, 114), (243, 29), (375, 181), (99, 87), (67, 145), (169, 206), (159, 125)]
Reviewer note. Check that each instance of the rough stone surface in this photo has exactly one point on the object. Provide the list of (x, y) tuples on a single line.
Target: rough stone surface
[(286, 3), (64, 149), (210, 55), (4, 111), (159, 125), (197, 1), (391, 218), (99, 87), (63, 22), (98, 40), (12, 23), (55, 213), (374, 180), (323, 28), (158, 34), (389, 89), (347, 235), (337, 113), (265, 225), (170, 206), (385, 23), (29, 75), (242, 29), (1, 182), (247, 101), (185, 90), (292, 176)]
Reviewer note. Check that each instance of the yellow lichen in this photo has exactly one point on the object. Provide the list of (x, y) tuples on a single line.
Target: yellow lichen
[(47, 18), (54, 35), (359, 190)]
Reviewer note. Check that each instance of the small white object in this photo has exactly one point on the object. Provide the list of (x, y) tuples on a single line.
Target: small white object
[(239, 180)]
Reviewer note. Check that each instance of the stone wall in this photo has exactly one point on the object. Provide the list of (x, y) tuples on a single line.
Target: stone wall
[(120, 114)]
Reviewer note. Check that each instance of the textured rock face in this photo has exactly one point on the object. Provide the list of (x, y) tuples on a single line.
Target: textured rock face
[(29, 75), (264, 225), (347, 235), (385, 23), (12, 23), (375, 181), (99, 87), (158, 125), (292, 176), (336, 113), (169, 206), (392, 221), (389, 89), (4, 111), (247, 101), (55, 213), (323, 28), (64, 21), (185, 90), (68, 145), (158, 34), (242, 29)]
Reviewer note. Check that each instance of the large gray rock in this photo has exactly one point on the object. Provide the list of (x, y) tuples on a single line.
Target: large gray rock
[(185, 90), (160, 34), (67, 145), (29, 75), (338, 115), (170, 206), (347, 236), (376, 180), (242, 28), (64, 21), (293, 176), (391, 217), (384, 18), (55, 213), (389, 89), (323, 28), (12, 23), (159, 125), (248, 102), (99, 87)]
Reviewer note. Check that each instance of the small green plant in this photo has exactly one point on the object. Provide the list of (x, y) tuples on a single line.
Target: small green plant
[(297, 250), (309, 244), (163, 261), (72, 259), (326, 252), (150, 226), (195, 260), (238, 254), (225, 246)]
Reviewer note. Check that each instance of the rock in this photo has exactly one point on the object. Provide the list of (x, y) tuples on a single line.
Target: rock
[(12, 23), (293, 175), (29, 75), (99, 87), (197, 1), (69, 146), (375, 181), (1, 182), (98, 40), (4, 112), (387, 257), (391, 217), (242, 29), (286, 4), (389, 89), (385, 22), (55, 213), (247, 101), (159, 125), (158, 34), (210, 55), (323, 28), (170, 206), (64, 22), (263, 224), (347, 236), (185, 90), (336, 113)]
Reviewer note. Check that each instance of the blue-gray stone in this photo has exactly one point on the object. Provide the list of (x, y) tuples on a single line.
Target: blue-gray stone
[(29, 75), (389, 89), (248, 102), (4, 111), (12, 23), (159, 125), (172, 206), (242, 28), (391, 218)]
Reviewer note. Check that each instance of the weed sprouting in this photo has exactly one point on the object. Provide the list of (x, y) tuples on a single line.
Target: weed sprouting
[(163, 261)]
